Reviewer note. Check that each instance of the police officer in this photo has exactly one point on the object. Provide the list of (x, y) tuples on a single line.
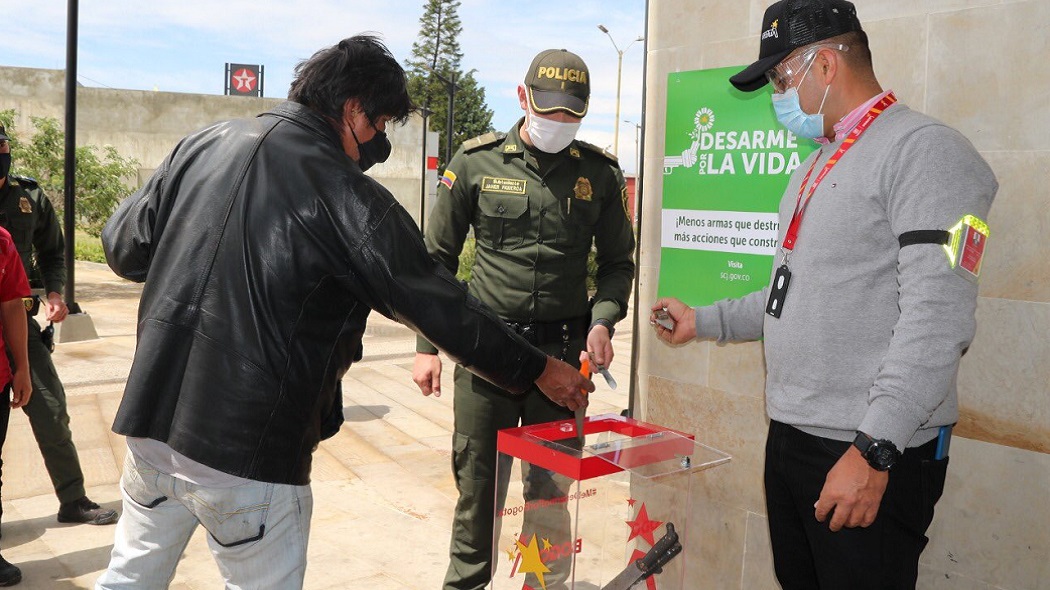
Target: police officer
[(537, 200), (27, 214)]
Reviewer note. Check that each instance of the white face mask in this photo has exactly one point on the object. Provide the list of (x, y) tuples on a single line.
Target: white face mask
[(549, 136)]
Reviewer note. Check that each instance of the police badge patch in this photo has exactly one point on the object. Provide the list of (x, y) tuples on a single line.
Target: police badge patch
[(24, 205), (583, 189)]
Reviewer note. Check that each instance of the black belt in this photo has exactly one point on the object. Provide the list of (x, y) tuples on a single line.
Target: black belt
[(543, 333)]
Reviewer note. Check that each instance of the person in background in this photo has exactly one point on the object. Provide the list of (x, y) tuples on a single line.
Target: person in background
[(14, 355), (26, 213)]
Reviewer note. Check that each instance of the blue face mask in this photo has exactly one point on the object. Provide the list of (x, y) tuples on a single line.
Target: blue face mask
[(790, 114)]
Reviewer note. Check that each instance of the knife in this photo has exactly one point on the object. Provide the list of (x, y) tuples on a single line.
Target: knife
[(605, 373), (652, 563)]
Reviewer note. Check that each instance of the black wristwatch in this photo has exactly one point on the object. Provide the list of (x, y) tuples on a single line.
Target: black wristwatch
[(881, 454), (603, 322)]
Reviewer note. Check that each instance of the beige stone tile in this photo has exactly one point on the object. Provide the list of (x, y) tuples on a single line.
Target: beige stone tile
[(1004, 107), (758, 556), (890, 9), (732, 52), (989, 525), (898, 54), (1004, 379), (739, 368), (714, 551), (1015, 265), (686, 363), (684, 22), (733, 424)]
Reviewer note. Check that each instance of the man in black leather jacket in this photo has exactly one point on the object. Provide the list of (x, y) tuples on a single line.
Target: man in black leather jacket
[(263, 247)]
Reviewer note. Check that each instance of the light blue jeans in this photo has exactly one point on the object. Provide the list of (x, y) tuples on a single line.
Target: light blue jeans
[(258, 531)]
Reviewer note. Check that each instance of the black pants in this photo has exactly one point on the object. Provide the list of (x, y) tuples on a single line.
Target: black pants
[(883, 556)]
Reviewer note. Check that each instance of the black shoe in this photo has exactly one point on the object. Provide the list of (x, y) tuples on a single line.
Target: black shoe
[(85, 511), (9, 574)]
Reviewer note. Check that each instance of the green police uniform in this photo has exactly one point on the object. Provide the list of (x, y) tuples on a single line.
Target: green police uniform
[(28, 215), (535, 217)]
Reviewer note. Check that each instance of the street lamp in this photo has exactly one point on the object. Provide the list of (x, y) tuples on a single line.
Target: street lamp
[(619, 71)]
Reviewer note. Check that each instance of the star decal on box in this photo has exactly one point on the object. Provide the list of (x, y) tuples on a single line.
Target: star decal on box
[(642, 526)]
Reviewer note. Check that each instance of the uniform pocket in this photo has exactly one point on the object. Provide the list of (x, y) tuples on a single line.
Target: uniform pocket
[(504, 219), (461, 459), (20, 226), (583, 219), (233, 516)]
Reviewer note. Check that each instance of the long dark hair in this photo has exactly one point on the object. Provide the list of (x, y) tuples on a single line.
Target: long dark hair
[(358, 67)]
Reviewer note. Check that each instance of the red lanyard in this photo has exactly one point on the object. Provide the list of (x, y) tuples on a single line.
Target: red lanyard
[(800, 207)]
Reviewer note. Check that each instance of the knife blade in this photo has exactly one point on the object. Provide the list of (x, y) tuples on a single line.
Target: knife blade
[(605, 372)]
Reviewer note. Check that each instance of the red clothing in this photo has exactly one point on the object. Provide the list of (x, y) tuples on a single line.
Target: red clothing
[(13, 285)]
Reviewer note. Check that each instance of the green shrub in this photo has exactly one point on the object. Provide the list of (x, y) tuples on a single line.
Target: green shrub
[(88, 248)]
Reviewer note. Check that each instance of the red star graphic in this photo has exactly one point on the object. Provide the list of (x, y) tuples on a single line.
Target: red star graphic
[(244, 80), (642, 527), (631, 501)]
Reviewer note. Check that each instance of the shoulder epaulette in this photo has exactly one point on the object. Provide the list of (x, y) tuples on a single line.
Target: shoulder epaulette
[(482, 141), (26, 180), (601, 151)]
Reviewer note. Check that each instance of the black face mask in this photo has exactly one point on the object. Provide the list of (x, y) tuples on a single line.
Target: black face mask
[(5, 165), (373, 151)]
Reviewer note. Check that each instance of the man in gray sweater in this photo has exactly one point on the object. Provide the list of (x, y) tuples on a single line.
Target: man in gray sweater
[(868, 312)]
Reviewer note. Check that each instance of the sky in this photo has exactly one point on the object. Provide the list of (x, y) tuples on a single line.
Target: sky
[(183, 45)]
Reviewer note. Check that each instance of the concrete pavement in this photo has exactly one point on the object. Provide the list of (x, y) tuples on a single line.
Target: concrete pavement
[(383, 489)]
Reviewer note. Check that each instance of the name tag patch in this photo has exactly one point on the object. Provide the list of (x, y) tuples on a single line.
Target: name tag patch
[(513, 186)]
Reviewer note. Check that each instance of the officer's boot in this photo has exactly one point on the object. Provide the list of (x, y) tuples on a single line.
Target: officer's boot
[(9, 574)]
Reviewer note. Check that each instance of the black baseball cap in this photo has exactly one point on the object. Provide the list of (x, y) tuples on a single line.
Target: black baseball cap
[(558, 80), (790, 24), (3, 133)]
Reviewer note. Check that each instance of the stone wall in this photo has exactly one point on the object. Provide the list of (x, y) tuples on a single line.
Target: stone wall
[(146, 125), (978, 65)]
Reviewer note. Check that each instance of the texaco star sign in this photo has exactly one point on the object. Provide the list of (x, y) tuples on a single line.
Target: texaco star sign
[(244, 80)]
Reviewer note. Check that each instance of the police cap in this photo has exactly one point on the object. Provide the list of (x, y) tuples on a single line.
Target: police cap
[(558, 80)]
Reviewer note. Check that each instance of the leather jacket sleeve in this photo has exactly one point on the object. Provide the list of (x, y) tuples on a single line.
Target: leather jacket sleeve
[(407, 285), (128, 235)]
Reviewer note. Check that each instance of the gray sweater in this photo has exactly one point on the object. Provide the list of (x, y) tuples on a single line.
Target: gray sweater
[(871, 334)]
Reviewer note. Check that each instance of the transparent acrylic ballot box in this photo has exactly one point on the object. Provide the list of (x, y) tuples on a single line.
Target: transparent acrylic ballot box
[(578, 514)]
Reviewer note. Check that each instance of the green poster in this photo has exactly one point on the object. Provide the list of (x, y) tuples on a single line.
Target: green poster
[(727, 163)]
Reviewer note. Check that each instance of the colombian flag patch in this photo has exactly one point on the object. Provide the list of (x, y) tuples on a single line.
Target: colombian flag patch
[(448, 179)]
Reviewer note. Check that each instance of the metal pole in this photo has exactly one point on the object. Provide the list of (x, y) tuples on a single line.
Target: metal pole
[(616, 133), (71, 152), (425, 112), (638, 307), (451, 118)]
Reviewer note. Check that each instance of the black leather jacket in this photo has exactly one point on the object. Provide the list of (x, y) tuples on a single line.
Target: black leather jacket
[(263, 248)]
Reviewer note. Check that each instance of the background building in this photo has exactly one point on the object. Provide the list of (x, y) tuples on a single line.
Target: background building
[(146, 125)]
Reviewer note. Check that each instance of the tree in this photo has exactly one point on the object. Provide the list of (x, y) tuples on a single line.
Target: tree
[(437, 51), (102, 173)]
